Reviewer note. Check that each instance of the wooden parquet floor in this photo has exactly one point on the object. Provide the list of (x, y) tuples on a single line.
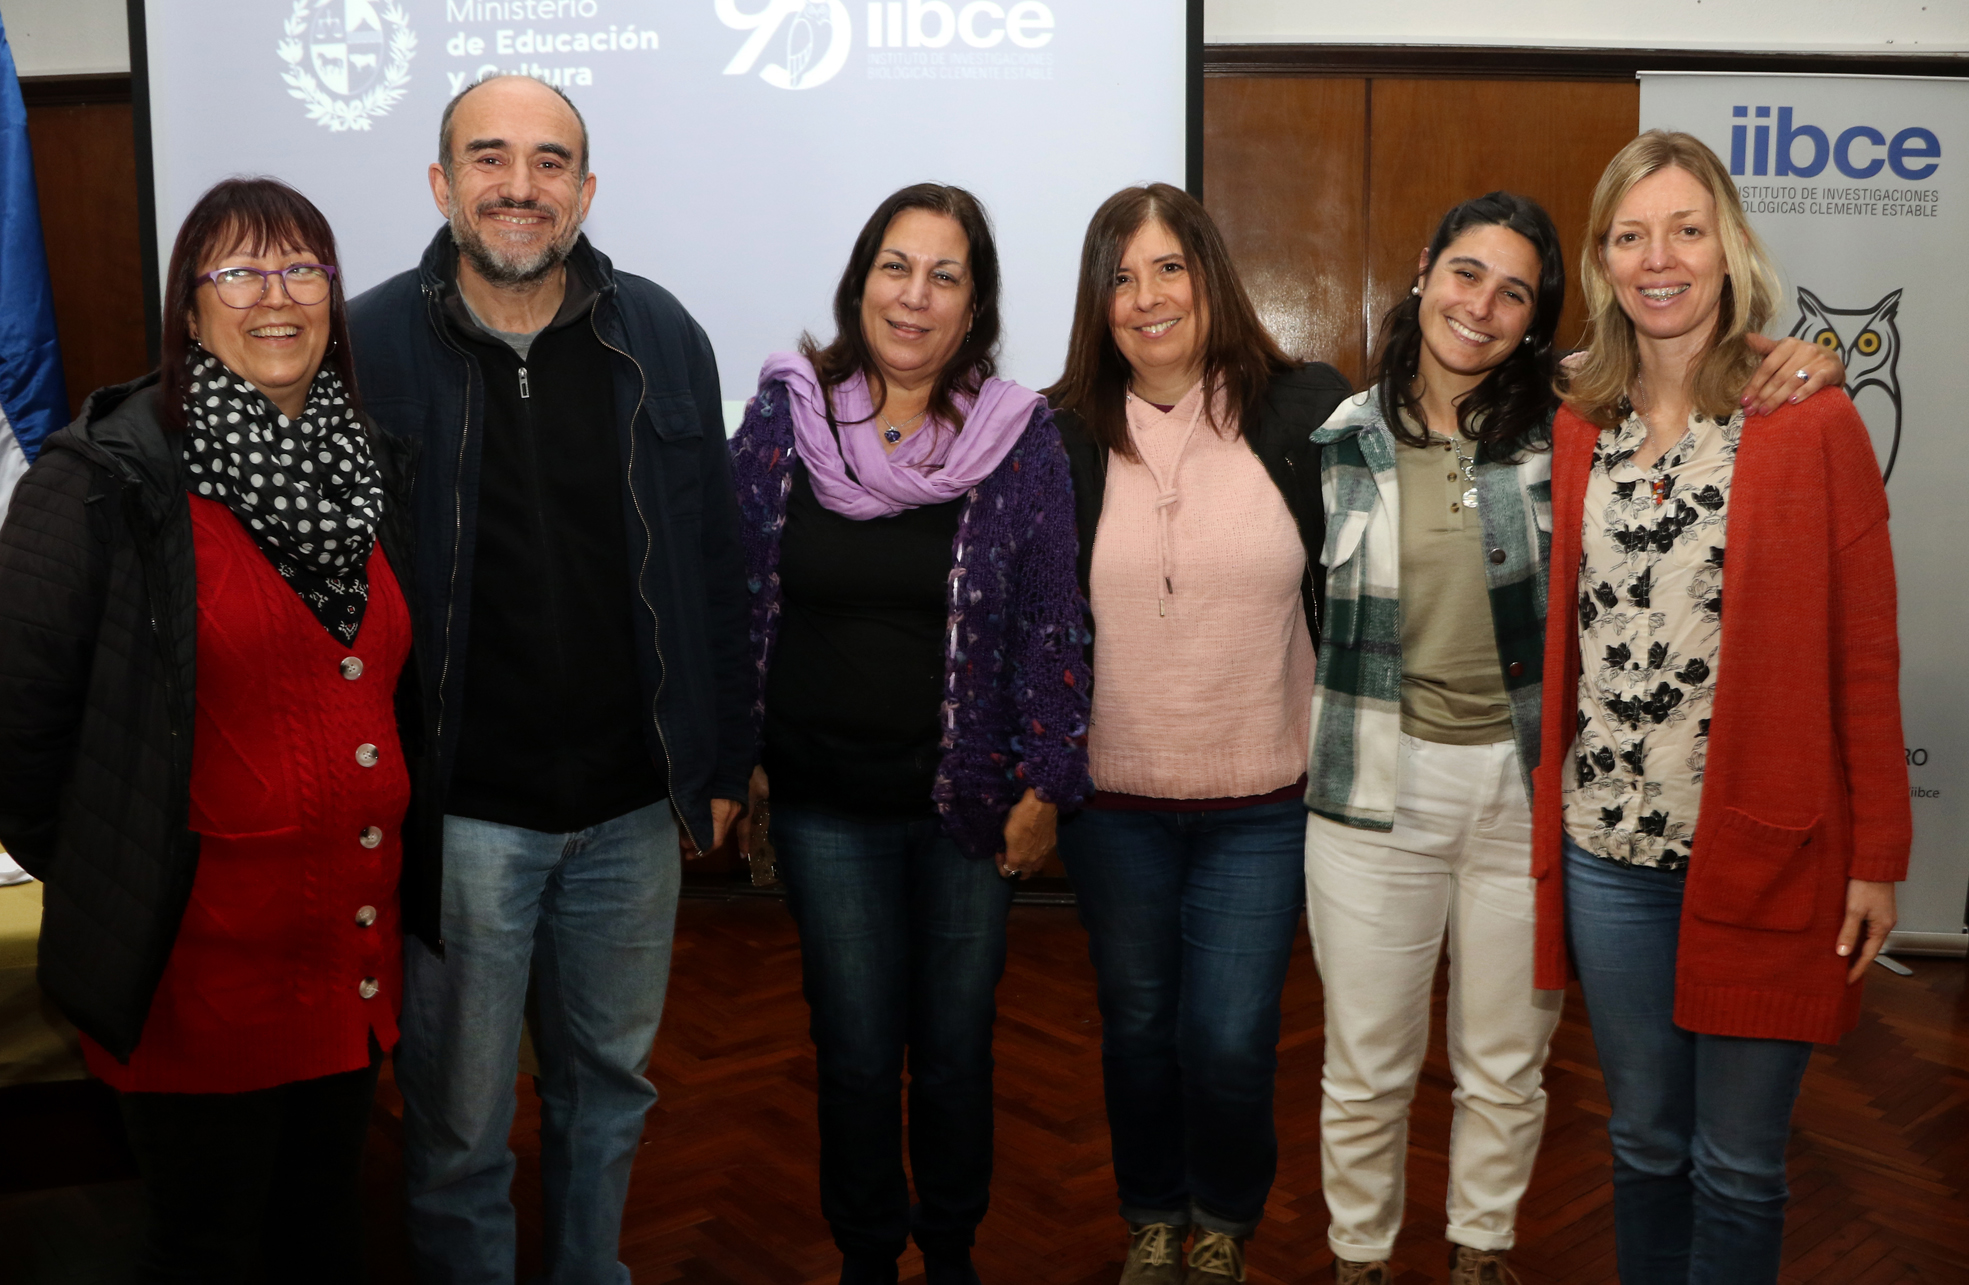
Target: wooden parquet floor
[(724, 1188)]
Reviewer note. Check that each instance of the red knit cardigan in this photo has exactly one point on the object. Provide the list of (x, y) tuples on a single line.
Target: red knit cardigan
[(1805, 784), (288, 963)]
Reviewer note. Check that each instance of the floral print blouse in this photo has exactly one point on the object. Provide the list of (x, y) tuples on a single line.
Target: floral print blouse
[(1650, 627)]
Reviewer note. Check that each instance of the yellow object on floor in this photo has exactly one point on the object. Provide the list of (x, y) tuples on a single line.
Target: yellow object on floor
[(36, 1041)]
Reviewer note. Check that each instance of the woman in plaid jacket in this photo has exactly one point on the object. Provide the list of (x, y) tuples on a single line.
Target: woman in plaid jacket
[(1437, 487)]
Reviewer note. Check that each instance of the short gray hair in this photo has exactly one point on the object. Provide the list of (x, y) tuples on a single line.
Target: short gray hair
[(450, 108)]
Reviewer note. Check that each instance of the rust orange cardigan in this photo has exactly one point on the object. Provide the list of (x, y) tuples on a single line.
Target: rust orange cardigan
[(1806, 779)]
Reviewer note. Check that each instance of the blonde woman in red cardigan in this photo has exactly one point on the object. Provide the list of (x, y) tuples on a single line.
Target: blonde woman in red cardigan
[(1721, 813)]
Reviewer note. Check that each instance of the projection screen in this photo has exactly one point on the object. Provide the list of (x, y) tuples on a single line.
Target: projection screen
[(738, 144)]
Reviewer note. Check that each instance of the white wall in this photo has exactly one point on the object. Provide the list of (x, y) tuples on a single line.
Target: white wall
[(1872, 26), (65, 37)]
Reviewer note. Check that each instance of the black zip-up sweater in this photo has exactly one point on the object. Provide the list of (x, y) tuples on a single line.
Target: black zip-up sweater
[(673, 487), (550, 734)]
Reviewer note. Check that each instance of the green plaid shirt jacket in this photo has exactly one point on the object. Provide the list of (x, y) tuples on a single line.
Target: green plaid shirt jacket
[(1357, 693)]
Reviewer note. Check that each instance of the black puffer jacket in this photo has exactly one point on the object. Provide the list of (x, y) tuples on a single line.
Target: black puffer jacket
[(98, 634)]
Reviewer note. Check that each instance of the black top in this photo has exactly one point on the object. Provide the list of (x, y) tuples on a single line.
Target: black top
[(552, 732), (856, 684)]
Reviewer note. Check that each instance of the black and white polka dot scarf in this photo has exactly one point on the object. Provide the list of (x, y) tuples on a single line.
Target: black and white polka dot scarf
[(307, 489)]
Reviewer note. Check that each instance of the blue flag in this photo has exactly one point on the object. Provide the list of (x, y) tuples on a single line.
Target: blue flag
[(33, 393)]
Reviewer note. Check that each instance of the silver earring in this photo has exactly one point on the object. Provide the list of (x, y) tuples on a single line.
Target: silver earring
[(1415, 290), (1527, 338)]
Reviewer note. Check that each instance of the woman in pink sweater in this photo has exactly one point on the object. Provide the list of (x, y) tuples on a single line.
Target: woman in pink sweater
[(1197, 497)]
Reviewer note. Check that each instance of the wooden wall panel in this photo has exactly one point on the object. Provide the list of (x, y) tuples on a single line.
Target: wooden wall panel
[(1283, 167), (1438, 142), (86, 172)]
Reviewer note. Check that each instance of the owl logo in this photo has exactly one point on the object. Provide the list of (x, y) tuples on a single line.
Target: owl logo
[(1868, 340)]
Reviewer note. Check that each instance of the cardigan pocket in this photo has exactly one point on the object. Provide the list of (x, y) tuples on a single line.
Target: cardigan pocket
[(1754, 874)]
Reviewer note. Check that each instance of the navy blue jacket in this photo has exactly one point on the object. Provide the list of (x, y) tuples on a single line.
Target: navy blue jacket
[(678, 505)]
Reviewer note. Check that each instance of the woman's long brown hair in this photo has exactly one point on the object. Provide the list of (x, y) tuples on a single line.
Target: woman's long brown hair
[(1240, 358)]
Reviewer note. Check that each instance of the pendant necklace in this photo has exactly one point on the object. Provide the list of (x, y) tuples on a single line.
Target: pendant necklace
[(893, 434), (1659, 485)]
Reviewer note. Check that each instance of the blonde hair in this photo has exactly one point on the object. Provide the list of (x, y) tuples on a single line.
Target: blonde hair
[(1596, 386)]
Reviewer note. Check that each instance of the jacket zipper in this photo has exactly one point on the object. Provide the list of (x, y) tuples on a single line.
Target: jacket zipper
[(138, 523), (525, 393), (649, 542), (457, 516)]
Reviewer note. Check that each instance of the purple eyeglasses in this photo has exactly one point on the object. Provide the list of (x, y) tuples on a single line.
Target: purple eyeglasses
[(305, 283)]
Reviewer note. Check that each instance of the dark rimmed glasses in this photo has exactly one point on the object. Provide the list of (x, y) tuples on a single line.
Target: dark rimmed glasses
[(306, 283)]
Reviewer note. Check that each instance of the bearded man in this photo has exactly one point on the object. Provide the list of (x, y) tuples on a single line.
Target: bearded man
[(583, 634)]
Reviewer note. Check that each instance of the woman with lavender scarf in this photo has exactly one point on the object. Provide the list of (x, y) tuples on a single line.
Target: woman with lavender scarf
[(922, 706)]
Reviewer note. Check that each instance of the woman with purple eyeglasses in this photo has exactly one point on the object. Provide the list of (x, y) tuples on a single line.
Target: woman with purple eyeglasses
[(211, 748)]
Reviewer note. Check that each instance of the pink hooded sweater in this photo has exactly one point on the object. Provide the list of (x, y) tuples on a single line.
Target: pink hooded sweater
[(1202, 661)]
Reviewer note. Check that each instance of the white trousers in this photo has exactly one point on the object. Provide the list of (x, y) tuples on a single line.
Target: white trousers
[(1458, 862)]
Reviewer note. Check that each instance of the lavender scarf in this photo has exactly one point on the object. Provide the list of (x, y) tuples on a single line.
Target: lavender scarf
[(855, 477)]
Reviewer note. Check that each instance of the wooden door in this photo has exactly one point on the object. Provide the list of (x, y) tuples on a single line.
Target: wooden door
[(1327, 188), (85, 168)]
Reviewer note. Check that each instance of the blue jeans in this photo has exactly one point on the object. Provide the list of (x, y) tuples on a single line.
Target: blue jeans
[(1191, 918), (1699, 1122), (902, 943), (591, 915)]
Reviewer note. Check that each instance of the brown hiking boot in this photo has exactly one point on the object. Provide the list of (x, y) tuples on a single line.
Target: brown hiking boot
[(1216, 1259), (1469, 1266), (1347, 1272), (1153, 1253)]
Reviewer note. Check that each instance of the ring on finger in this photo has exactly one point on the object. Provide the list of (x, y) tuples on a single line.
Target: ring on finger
[(1804, 374)]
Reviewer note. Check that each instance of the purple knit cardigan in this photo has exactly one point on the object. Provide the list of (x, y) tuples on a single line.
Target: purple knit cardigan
[(1015, 681)]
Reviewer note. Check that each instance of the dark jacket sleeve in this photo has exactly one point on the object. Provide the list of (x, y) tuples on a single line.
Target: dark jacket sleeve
[(727, 604), (1050, 676), (54, 565)]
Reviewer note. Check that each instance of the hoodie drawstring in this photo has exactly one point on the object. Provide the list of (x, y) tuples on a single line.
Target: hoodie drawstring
[(1165, 503)]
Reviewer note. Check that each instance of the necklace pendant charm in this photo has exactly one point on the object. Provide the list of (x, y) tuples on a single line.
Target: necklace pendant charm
[(892, 435), (1659, 488), (1470, 498)]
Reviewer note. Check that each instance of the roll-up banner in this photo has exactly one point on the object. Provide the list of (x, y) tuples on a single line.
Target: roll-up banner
[(1860, 185)]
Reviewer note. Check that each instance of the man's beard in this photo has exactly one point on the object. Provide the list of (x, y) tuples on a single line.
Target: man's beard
[(507, 271)]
